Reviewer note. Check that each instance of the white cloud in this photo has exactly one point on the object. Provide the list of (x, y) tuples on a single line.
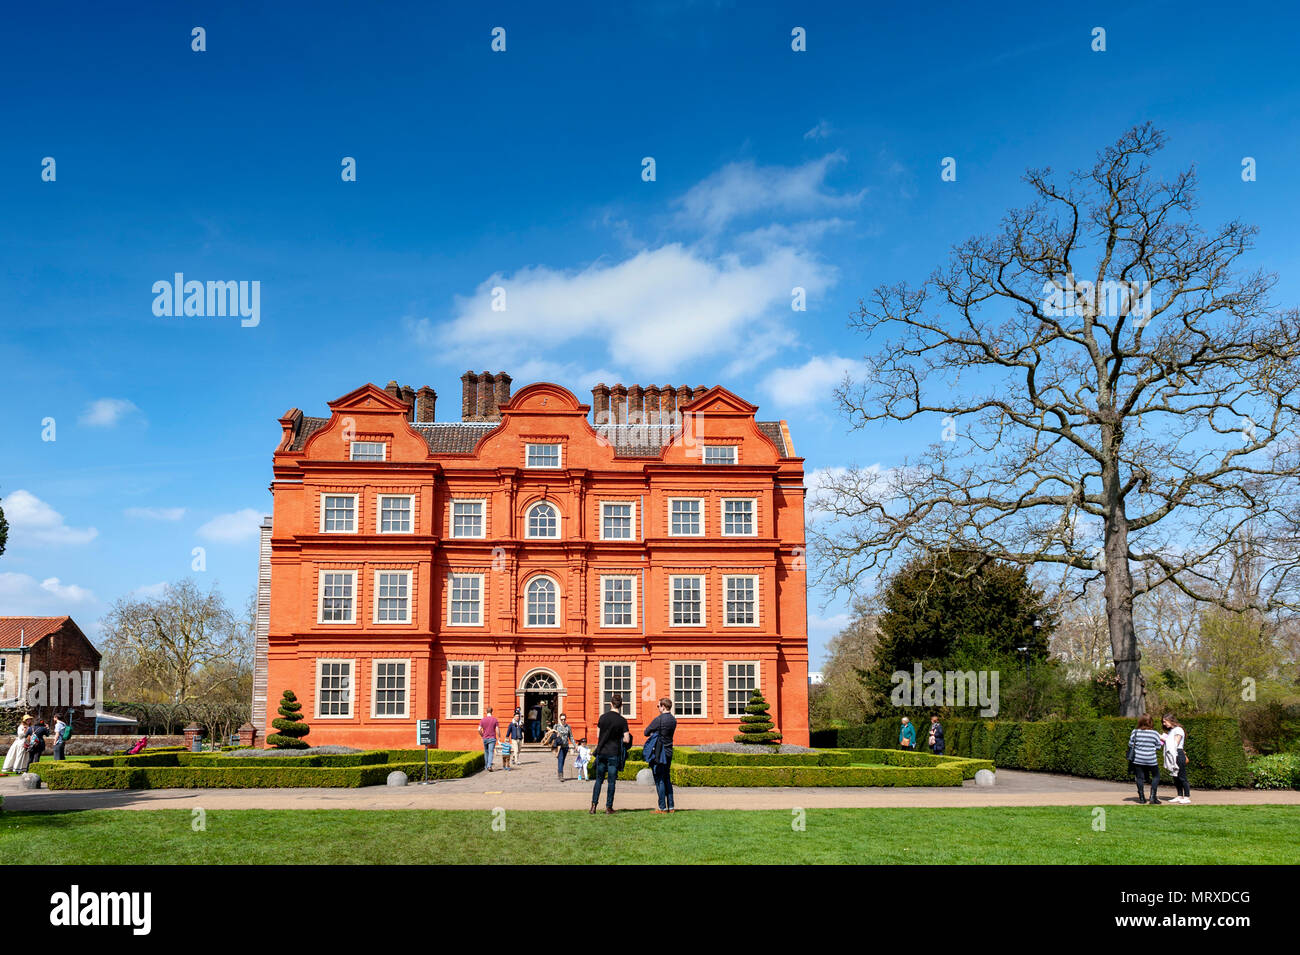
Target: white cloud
[(742, 189), (151, 591), (24, 595), (813, 382), (107, 412), (233, 528), (30, 517), (156, 513), (659, 309), (821, 131)]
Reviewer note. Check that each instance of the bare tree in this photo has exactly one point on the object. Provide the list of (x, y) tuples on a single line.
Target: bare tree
[(1081, 639), (172, 647), (1139, 418)]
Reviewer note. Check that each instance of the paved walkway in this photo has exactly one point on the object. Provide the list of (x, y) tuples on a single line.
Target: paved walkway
[(534, 785)]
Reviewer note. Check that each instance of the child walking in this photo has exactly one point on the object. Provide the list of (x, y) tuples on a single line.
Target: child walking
[(507, 751), (582, 756)]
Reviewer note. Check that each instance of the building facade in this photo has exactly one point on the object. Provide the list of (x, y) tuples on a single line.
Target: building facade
[(536, 551), (48, 667)]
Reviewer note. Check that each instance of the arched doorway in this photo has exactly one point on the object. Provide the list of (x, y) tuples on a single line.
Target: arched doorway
[(541, 693)]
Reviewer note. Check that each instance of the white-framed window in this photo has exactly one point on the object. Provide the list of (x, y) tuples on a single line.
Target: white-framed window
[(390, 686), (541, 601), (543, 520), (542, 456), (686, 516), (467, 518), (338, 596), (368, 451), (742, 679), (392, 596), (618, 678), (395, 512), (465, 600), (687, 600), (719, 454), (618, 601), (464, 690), (338, 513), (740, 594), (689, 690), (617, 520), (738, 517), (334, 688)]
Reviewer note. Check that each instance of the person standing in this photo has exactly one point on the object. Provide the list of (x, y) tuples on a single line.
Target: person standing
[(907, 735), (613, 736), (563, 736), (1175, 743), (515, 731), (61, 733), (534, 724), (1144, 744), (936, 736), (489, 730), (37, 742), (545, 711), (664, 725), (16, 758)]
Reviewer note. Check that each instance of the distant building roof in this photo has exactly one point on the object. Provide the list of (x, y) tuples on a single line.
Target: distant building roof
[(18, 632)]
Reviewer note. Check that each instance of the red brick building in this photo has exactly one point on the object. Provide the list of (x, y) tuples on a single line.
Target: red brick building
[(48, 666), (536, 550)]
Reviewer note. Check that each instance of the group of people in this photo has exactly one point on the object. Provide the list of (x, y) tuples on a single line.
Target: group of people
[(29, 742), (1146, 750), (612, 742)]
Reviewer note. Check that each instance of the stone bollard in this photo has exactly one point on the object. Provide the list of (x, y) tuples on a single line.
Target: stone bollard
[(397, 778), (985, 777), (645, 777), (30, 781)]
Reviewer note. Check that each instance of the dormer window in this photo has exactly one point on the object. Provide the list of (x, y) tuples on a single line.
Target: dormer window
[(719, 454), (368, 451), (542, 456)]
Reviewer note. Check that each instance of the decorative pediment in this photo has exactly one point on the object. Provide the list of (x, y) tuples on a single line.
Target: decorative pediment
[(368, 398), (718, 400), (545, 397)]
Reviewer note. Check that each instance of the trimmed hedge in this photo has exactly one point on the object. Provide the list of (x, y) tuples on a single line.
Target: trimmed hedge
[(1093, 748), (205, 771), (686, 775)]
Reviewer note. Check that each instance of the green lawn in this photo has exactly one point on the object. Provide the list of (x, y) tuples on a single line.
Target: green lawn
[(1134, 835)]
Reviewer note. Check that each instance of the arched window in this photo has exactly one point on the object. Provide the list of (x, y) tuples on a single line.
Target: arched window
[(541, 602), (543, 521)]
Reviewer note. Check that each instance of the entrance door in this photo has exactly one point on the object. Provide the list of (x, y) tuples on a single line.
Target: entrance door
[(541, 694)]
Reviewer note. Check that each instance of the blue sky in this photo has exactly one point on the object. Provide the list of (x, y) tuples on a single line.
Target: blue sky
[(523, 169)]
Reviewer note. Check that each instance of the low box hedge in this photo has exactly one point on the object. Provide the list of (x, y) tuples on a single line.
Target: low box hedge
[(1094, 748), (763, 776), (207, 771)]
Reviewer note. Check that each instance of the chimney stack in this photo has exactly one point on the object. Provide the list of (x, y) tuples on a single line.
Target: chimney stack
[(651, 415), (600, 402), (502, 390), (683, 396), (407, 394), (486, 389), (618, 405), (699, 392), (468, 396), (393, 389), (635, 405), (668, 405), (425, 399)]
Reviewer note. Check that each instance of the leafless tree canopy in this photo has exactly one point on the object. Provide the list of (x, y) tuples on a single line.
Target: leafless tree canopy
[(1119, 394)]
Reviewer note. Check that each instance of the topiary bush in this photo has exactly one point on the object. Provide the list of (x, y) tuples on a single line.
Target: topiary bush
[(292, 729), (756, 727)]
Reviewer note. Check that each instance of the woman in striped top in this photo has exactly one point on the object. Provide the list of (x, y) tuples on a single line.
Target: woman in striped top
[(1146, 761)]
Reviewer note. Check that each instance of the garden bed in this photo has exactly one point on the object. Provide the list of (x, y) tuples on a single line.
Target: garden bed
[(182, 770)]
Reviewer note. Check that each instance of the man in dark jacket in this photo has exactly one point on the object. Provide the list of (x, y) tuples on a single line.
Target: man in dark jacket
[(614, 735), (39, 732), (936, 736), (665, 724)]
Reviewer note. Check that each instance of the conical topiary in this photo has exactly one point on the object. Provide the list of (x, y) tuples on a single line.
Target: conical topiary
[(292, 730), (756, 726)]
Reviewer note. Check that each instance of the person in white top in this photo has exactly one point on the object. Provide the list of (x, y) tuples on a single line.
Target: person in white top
[(1174, 740)]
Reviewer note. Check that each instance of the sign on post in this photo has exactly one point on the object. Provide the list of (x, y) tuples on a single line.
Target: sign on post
[(426, 735)]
